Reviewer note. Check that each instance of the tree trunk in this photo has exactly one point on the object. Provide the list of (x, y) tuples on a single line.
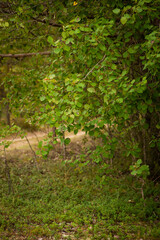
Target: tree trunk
[(8, 117)]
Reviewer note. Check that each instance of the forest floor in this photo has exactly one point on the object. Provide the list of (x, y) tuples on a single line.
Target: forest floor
[(73, 198)]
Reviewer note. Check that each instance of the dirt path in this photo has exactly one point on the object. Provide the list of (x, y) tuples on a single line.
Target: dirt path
[(19, 143)]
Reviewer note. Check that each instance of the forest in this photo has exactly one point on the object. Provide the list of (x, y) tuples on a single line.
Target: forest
[(79, 119)]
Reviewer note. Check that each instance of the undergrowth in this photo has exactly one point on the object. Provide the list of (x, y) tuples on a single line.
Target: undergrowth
[(62, 201)]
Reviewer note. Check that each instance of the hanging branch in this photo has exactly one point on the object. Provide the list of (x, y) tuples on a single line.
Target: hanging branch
[(19, 55)]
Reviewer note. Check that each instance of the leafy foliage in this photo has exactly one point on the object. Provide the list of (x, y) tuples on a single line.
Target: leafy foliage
[(140, 170), (102, 76), (106, 63)]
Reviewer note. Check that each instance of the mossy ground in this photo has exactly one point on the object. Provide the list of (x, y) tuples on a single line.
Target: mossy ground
[(63, 201)]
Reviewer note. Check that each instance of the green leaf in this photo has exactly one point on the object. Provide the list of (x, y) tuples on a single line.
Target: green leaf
[(102, 47), (67, 141), (120, 100), (40, 143), (71, 32), (86, 106), (77, 31), (6, 24), (116, 11), (125, 54), (66, 48), (64, 35), (158, 126), (134, 173), (113, 91), (70, 88), (82, 85), (113, 66), (111, 78), (91, 90), (42, 98), (50, 40), (57, 50), (69, 40), (79, 104), (131, 50), (77, 19), (106, 98), (75, 131), (123, 20), (139, 161), (124, 73)]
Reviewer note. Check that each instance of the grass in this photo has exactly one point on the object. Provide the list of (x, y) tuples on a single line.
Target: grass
[(64, 201)]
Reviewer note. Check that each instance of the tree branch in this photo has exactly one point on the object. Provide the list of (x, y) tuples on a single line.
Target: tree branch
[(45, 21), (94, 67), (19, 55)]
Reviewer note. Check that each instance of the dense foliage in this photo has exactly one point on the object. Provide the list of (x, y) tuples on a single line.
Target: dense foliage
[(102, 75)]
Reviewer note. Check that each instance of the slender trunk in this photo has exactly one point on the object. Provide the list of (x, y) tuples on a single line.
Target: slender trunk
[(64, 146), (144, 147), (8, 115), (7, 105)]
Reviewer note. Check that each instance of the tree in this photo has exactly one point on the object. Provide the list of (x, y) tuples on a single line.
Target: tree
[(104, 69), (110, 65)]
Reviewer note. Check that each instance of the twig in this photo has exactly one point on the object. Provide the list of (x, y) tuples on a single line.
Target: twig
[(156, 178), (35, 157), (94, 67), (47, 22), (155, 173)]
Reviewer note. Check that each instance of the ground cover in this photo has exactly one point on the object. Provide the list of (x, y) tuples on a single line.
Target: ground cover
[(76, 201)]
